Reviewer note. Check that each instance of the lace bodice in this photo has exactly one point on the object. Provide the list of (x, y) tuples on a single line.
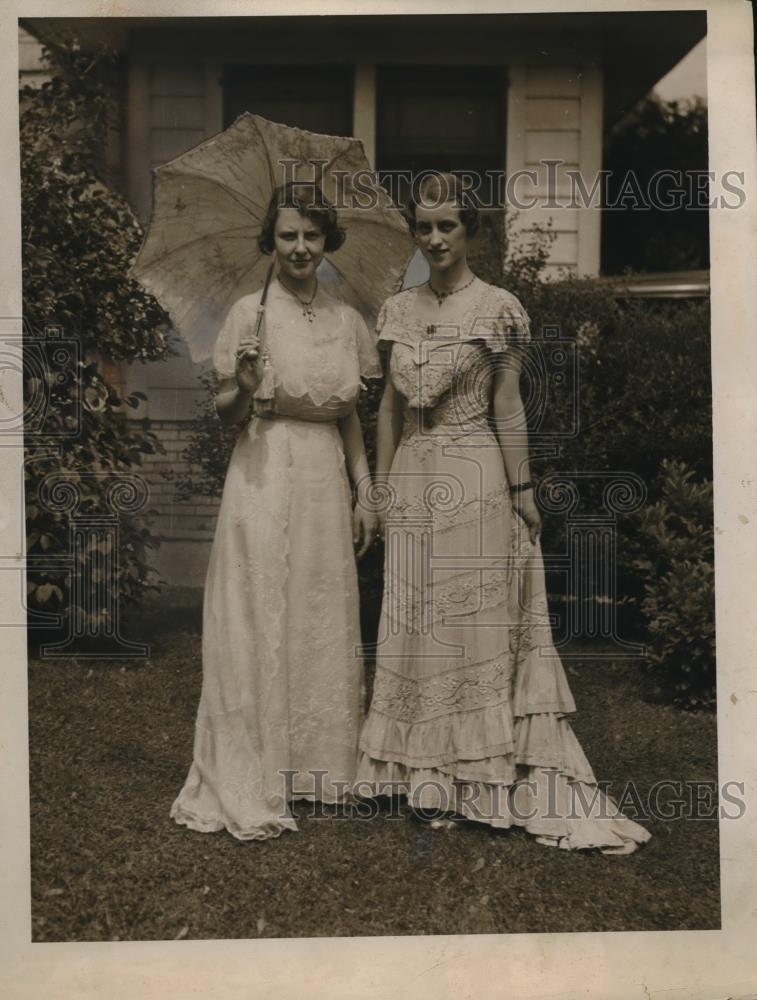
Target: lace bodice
[(441, 358), (317, 366)]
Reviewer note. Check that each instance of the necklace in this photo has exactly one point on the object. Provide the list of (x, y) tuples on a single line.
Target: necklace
[(307, 304), (441, 296)]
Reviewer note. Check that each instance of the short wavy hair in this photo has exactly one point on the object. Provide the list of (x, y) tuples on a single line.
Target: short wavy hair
[(310, 202), (438, 189)]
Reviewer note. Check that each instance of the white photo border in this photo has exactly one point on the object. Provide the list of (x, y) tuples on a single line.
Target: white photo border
[(692, 965)]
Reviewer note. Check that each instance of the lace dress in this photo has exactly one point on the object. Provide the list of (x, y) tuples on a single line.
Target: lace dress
[(280, 708), (470, 704)]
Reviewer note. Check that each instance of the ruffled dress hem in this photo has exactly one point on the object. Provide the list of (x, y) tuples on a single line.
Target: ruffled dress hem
[(538, 778), (554, 808)]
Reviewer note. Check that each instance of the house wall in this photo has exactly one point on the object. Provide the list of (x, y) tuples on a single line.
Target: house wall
[(555, 113), (554, 110), (32, 71)]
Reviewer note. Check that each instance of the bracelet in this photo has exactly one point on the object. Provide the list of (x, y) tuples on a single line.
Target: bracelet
[(522, 487)]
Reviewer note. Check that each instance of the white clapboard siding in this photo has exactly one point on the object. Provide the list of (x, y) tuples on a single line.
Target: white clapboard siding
[(170, 104), (555, 114), (552, 144), (177, 110), (558, 272), (552, 81), (168, 114), (171, 109), (178, 81), (167, 143), (31, 65)]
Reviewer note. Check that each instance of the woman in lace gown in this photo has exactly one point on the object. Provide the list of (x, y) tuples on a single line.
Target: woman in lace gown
[(281, 706), (470, 706)]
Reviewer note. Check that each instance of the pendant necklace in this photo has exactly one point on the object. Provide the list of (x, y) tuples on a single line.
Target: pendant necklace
[(441, 296), (307, 304)]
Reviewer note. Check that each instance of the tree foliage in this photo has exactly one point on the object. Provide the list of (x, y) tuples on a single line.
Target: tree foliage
[(677, 564), (657, 136), (79, 239)]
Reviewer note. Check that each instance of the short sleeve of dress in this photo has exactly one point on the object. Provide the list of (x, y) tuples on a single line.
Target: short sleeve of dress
[(516, 323), (397, 321), (506, 325), (368, 358), (236, 323), (381, 338)]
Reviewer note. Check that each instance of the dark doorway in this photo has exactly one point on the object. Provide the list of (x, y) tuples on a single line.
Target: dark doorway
[(316, 98), (441, 118)]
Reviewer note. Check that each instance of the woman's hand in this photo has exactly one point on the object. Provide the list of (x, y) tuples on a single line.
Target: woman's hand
[(247, 375), (364, 528), (525, 505)]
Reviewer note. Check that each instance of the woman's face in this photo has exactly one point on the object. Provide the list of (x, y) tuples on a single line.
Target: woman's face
[(299, 244), (440, 234)]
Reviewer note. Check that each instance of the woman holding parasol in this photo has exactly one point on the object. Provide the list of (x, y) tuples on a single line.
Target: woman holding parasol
[(282, 676), (280, 707)]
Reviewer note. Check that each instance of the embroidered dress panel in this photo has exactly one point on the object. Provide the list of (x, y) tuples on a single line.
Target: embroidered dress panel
[(471, 703)]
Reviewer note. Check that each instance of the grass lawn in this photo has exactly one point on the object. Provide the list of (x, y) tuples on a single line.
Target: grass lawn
[(110, 747)]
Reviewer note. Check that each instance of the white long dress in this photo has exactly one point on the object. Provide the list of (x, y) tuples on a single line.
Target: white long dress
[(471, 705), (280, 709)]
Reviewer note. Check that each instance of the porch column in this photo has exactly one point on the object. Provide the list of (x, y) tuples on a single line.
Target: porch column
[(139, 186), (364, 109), (590, 219)]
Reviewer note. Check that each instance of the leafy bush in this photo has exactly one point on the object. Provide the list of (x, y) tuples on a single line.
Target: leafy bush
[(79, 238), (209, 449), (679, 588), (643, 396)]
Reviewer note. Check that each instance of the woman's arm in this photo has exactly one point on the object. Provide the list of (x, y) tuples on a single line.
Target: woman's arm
[(232, 402), (364, 521), (234, 396), (388, 429), (354, 451), (512, 434)]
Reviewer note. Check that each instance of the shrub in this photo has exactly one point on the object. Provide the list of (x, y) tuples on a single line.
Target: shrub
[(679, 586), (644, 395), (79, 238), (209, 449)]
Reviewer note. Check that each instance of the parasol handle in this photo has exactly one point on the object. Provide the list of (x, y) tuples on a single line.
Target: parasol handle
[(263, 396), (263, 297)]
